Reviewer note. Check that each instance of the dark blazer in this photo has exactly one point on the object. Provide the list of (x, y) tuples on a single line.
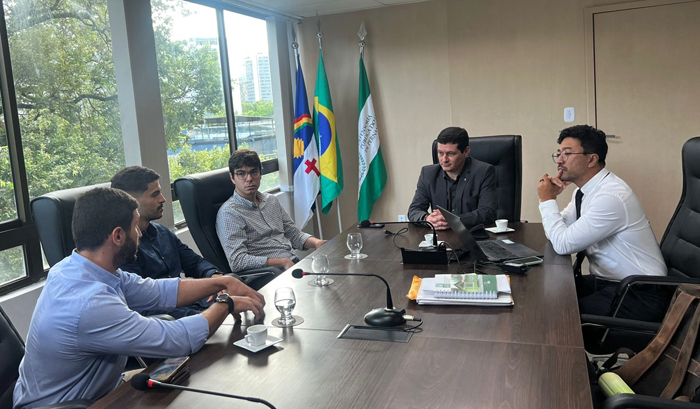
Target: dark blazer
[(476, 196)]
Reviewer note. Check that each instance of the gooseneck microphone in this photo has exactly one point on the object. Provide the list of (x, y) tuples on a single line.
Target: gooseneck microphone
[(378, 317), (142, 382), (366, 223)]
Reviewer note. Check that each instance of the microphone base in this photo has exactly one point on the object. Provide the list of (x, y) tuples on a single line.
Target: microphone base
[(428, 256), (382, 317)]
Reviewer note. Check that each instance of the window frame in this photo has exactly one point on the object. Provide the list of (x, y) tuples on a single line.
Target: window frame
[(270, 165), (22, 230)]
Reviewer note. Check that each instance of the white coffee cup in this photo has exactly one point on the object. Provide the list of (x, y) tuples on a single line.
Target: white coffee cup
[(501, 224), (429, 238), (257, 335)]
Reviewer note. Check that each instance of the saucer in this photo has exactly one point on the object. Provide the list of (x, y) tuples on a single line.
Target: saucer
[(269, 342), (496, 231)]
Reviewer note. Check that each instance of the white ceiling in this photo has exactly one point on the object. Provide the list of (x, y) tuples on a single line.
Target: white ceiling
[(309, 8)]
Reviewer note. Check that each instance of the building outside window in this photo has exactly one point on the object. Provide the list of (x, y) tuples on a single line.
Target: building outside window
[(198, 134)]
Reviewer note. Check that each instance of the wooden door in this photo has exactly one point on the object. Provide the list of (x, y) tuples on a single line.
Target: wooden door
[(646, 89)]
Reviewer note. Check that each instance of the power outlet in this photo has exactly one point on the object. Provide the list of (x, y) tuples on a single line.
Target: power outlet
[(402, 218), (569, 114)]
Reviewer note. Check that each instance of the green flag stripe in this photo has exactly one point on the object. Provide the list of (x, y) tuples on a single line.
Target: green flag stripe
[(364, 87), (372, 187)]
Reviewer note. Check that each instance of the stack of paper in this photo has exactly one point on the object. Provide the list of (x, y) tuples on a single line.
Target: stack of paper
[(427, 294)]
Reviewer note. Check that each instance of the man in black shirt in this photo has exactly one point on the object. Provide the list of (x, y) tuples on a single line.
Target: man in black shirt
[(459, 183)]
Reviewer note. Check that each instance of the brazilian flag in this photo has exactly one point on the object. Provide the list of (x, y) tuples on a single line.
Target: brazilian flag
[(331, 165)]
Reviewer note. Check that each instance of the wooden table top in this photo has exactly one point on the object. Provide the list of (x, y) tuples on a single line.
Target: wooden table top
[(527, 356)]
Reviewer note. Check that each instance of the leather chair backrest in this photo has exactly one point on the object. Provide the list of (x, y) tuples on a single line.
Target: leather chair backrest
[(680, 244), (11, 353), (505, 153), (53, 215), (201, 195)]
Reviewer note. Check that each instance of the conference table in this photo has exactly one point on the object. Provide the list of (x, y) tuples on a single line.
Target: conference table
[(529, 355)]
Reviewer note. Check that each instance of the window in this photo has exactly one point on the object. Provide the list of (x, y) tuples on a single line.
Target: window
[(251, 89), (194, 84), (66, 92), (66, 104), (12, 266), (8, 205), (187, 49)]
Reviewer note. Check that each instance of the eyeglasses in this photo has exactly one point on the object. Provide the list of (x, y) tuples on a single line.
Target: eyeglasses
[(244, 175), (566, 154)]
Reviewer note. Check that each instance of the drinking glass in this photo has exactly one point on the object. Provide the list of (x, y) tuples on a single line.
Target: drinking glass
[(285, 301), (354, 243), (319, 265)]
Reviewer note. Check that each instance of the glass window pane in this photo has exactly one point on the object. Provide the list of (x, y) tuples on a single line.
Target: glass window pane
[(66, 92), (251, 87), (8, 204), (187, 49), (178, 215), (270, 181), (12, 265)]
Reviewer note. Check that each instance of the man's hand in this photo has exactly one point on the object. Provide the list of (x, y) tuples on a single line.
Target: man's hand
[(437, 220), (243, 304), (549, 188), (314, 242), (557, 181), (244, 298), (236, 288), (283, 263)]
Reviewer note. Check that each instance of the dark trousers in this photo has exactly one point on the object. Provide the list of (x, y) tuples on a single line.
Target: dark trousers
[(644, 302)]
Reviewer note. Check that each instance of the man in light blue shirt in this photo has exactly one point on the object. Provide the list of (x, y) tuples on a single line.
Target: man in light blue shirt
[(87, 322)]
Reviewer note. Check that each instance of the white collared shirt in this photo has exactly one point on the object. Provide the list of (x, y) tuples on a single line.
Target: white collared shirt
[(613, 230)]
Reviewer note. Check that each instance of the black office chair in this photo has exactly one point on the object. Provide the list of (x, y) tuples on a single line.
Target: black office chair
[(12, 352), (680, 246), (505, 153), (53, 214), (201, 195)]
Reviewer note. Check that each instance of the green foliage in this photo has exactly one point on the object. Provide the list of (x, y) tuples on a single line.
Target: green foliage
[(190, 85), (259, 108), (188, 161)]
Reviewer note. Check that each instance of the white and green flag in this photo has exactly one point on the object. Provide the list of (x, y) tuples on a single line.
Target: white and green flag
[(371, 162)]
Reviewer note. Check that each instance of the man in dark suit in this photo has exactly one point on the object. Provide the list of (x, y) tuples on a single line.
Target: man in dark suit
[(459, 183)]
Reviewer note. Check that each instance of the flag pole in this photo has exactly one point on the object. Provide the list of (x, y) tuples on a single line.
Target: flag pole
[(362, 34), (295, 45), (319, 35), (372, 171), (318, 219), (340, 223)]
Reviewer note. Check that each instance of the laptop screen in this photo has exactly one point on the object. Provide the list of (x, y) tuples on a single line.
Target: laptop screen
[(468, 241)]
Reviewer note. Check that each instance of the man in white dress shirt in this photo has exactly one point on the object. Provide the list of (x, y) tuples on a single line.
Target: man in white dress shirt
[(606, 223)]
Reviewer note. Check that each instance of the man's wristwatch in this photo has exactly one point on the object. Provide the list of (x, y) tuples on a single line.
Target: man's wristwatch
[(224, 297)]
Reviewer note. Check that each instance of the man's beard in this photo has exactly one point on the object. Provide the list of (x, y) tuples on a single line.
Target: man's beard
[(127, 254)]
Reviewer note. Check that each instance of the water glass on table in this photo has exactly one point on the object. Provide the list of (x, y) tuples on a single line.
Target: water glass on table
[(320, 265), (354, 243), (285, 301)]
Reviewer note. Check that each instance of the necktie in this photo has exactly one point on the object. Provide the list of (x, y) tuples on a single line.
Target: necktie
[(581, 254)]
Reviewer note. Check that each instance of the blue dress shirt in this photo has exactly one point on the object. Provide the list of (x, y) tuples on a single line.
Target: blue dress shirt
[(85, 325), (162, 255)]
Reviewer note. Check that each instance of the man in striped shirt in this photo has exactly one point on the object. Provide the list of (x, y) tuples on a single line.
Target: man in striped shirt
[(253, 227)]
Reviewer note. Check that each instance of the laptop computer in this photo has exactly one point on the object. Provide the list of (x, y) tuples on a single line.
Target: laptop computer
[(487, 250)]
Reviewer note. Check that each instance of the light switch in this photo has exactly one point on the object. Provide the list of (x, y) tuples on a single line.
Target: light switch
[(569, 114)]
